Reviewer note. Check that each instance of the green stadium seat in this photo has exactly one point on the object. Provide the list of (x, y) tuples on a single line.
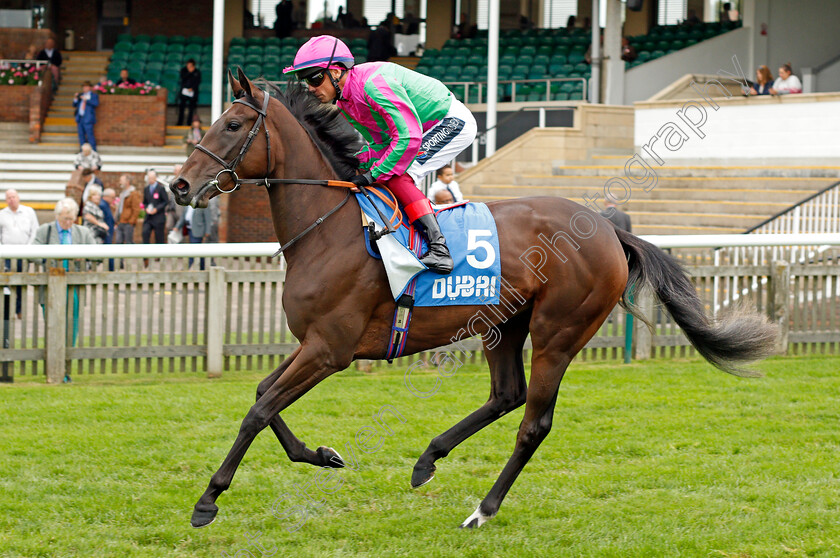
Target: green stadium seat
[(468, 73), (142, 38), (561, 96), (160, 39), (524, 60), (254, 41), (558, 58), (156, 57), (272, 41), (541, 59), (254, 49), (177, 39), (476, 60), (581, 68), (272, 50), (505, 71), (508, 60), (158, 47), (438, 71), (576, 58), (576, 96), (124, 38), (657, 54), (253, 70), (140, 47), (175, 48), (253, 59), (544, 50), (195, 39), (193, 49), (237, 41), (122, 47)]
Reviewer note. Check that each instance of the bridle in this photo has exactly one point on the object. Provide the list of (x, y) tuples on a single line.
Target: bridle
[(266, 181)]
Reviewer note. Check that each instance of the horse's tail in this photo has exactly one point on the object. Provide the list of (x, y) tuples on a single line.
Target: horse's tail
[(739, 337)]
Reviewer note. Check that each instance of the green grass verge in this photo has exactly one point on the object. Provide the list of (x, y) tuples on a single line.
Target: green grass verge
[(670, 458)]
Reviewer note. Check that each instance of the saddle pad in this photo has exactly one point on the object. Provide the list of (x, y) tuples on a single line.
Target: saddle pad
[(470, 232)]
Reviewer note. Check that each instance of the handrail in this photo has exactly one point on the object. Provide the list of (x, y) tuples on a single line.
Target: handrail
[(267, 249), (826, 64), (791, 208)]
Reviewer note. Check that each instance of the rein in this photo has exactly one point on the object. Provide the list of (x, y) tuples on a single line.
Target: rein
[(229, 168)]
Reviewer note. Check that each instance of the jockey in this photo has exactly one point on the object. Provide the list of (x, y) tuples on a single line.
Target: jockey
[(412, 124)]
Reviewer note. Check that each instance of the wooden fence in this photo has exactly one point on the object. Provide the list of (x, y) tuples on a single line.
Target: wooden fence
[(170, 319)]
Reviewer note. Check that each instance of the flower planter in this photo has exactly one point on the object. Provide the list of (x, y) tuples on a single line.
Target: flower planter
[(131, 119)]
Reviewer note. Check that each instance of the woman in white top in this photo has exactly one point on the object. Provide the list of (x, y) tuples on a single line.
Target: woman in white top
[(445, 181), (786, 82)]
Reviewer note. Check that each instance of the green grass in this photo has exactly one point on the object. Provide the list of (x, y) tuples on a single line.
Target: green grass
[(670, 458)]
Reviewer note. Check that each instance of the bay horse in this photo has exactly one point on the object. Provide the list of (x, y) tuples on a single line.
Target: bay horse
[(340, 307)]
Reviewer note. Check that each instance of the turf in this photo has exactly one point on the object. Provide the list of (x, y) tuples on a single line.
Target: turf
[(670, 458)]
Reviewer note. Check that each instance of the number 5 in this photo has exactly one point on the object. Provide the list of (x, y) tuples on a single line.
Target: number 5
[(473, 243)]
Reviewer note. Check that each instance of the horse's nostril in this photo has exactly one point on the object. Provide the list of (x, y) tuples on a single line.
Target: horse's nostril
[(181, 185)]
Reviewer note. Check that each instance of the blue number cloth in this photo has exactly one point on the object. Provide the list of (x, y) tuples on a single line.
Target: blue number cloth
[(470, 232)]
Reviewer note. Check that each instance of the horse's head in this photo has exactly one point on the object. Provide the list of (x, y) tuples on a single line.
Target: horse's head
[(227, 148)]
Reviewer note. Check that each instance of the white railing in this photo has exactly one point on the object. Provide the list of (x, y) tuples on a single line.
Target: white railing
[(267, 249)]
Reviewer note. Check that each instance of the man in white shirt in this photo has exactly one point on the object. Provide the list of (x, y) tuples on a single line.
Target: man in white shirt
[(445, 181), (18, 225)]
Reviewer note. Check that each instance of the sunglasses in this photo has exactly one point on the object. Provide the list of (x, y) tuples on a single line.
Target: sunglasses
[(315, 79)]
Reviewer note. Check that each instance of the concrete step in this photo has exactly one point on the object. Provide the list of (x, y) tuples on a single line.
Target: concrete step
[(737, 221), (806, 183), (658, 193), (43, 177), (643, 229), (707, 171)]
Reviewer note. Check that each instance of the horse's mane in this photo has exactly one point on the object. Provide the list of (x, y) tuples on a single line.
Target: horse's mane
[(333, 135)]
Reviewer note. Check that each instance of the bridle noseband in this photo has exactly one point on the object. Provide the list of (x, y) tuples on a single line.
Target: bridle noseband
[(230, 167), (266, 181)]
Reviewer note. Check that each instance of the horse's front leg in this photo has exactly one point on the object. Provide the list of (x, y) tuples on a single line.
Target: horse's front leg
[(295, 448), (310, 367)]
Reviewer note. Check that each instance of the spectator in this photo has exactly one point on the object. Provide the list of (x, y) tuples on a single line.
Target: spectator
[(3, 64), (173, 210), (93, 217), (786, 83), (197, 222), (727, 14), (193, 136), (443, 197), (128, 211), (571, 23), (628, 53), (52, 55), (18, 225), (190, 80), (379, 44), (285, 22), (64, 231), (87, 158), (692, 18), (91, 180), (31, 53), (154, 201), (299, 15), (125, 78), (108, 207), (85, 104), (445, 181), (617, 217), (763, 81), (215, 218)]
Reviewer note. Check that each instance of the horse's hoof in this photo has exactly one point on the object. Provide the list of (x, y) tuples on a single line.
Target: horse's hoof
[(419, 477), (476, 520), (204, 517), (330, 458)]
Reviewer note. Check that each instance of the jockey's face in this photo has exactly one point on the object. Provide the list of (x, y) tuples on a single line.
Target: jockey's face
[(325, 92)]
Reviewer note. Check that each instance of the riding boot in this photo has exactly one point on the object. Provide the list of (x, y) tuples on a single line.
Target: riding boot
[(437, 259)]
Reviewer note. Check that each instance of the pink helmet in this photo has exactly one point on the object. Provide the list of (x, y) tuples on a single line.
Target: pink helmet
[(320, 52)]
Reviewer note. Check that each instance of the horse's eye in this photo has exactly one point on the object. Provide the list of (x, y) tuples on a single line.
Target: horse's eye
[(233, 126)]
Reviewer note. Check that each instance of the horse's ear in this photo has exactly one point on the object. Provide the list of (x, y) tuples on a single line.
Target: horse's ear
[(243, 81), (234, 84)]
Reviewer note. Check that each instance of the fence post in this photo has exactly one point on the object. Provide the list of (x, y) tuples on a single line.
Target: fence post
[(56, 348), (216, 312), (779, 297), (644, 337)]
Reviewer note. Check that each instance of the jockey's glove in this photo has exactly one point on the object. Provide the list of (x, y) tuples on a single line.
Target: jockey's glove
[(365, 179)]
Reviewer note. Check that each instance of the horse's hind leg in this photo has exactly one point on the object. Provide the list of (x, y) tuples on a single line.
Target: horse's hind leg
[(507, 392), (296, 449), (547, 371)]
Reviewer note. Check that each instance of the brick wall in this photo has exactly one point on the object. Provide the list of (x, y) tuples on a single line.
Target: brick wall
[(39, 104), (247, 217), (151, 17), (14, 41), (79, 17), (131, 120), (15, 105)]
